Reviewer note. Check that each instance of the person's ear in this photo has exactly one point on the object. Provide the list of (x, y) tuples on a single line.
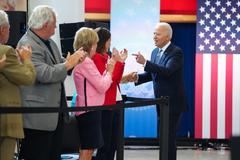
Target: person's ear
[(1, 29), (45, 25)]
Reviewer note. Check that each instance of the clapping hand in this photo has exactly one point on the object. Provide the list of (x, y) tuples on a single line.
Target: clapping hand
[(75, 58), (110, 65), (24, 52), (2, 61), (115, 55), (122, 56)]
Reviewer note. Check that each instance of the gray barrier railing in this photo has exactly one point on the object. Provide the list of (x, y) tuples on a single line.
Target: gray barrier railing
[(130, 102)]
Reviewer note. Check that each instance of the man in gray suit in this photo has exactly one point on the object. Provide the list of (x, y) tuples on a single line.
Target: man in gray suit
[(43, 132)]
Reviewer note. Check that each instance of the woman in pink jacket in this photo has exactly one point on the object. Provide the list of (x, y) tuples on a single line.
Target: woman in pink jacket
[(91, 87)]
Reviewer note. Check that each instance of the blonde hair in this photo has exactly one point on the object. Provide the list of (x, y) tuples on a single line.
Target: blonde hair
[(85, 37)]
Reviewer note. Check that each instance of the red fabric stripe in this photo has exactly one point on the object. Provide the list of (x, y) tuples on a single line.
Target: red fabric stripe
[(229, 85), (198, 95), (178, 7), (167, 7), (213, 98), (97, 6)]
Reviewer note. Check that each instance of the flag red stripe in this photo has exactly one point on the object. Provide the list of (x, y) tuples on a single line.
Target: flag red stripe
[(198, 95), (214, 92), (229, 85)]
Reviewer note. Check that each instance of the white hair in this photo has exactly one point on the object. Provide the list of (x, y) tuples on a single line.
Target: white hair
[(3, 18), (12, 2), (41, 15), (167, 26)]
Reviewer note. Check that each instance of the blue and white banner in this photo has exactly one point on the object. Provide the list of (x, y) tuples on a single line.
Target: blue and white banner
[(132, 27)]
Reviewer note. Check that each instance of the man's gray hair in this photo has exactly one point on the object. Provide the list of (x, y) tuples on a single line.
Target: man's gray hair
[(167, 26), (3, 18), (41, 15)]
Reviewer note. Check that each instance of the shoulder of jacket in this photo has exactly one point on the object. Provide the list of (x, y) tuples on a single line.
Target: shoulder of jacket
[(5, 48), (52, 42), (155, 49), (88, 62), (98, 55)]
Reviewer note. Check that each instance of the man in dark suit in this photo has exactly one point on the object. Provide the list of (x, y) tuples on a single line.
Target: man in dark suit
[(165, 69)]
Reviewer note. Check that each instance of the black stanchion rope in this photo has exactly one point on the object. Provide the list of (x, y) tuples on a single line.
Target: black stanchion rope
[(137, 103)]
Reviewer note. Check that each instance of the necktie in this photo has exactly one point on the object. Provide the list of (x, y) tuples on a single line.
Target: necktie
[(159, 55)]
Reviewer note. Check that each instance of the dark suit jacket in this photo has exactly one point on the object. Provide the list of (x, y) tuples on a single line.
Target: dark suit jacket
[(167, 77)]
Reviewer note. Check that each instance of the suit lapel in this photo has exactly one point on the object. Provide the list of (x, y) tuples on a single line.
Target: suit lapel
[(43, 46), (154, 55), (166, 53)]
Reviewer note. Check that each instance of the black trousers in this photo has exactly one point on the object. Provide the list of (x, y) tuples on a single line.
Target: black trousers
[(174, 119), (110, 130), (42, 145)]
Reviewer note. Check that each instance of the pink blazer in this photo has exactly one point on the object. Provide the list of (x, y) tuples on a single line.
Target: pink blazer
[(96, 84)]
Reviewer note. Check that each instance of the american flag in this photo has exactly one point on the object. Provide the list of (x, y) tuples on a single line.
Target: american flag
[(217, 72)]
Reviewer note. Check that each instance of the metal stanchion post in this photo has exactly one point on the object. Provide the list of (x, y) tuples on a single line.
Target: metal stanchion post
[(163, 130), (120, 149)]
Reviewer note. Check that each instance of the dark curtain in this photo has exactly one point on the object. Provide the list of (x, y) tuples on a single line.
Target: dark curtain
[(184, 36)]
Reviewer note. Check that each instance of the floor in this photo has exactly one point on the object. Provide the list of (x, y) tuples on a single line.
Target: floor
[(152, 154)]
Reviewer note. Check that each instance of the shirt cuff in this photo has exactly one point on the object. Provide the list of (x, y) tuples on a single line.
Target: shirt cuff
[(137, 79), (145, 63)]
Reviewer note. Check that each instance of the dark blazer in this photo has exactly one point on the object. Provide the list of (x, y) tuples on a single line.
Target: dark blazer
[(167, 77)]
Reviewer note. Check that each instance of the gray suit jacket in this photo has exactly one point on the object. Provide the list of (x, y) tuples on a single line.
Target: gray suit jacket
[(46, 92)]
